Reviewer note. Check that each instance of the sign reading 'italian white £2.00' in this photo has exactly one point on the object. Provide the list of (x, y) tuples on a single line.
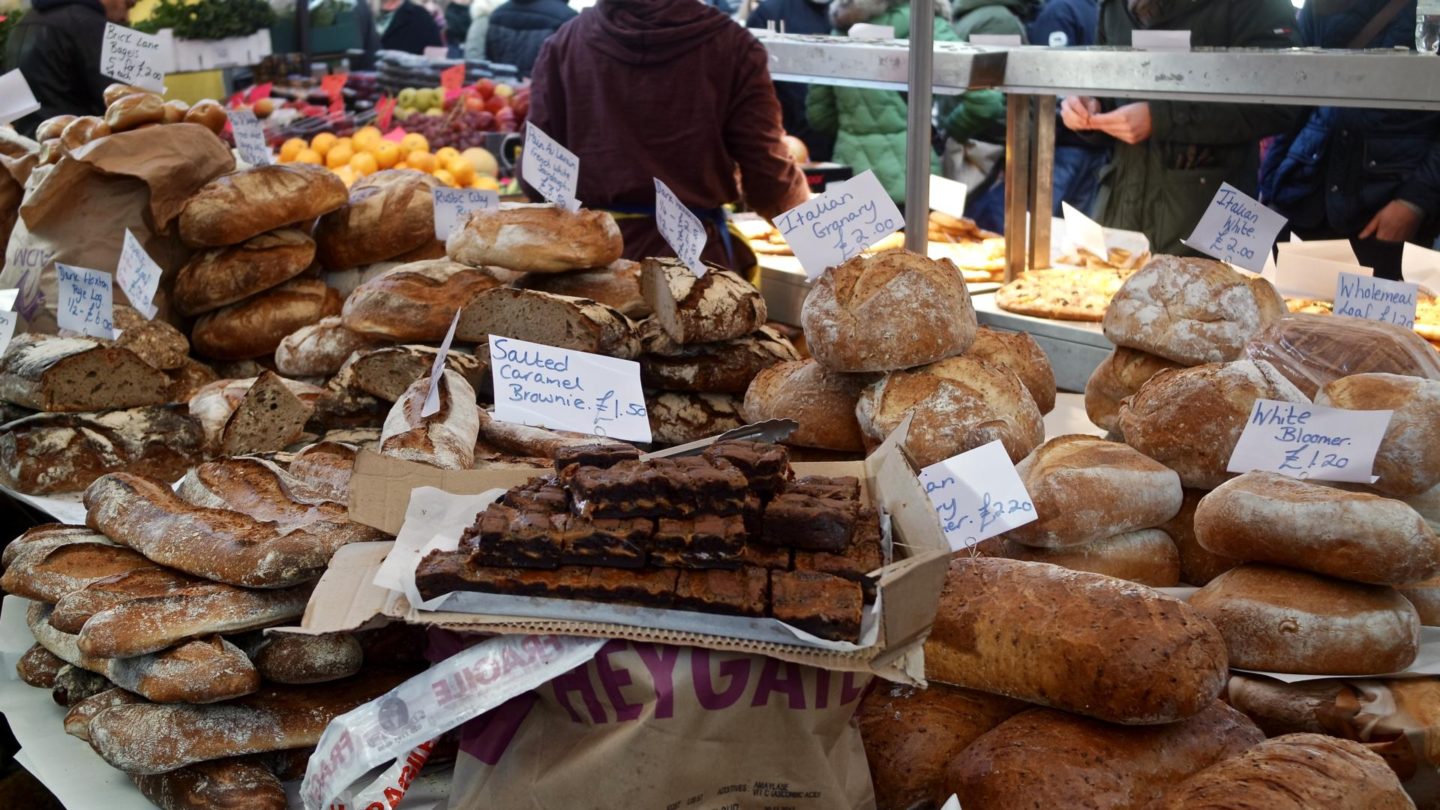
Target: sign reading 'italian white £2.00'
[(1310, 441), (1377, 299), (86, 302), (681, 228), (453, 207), (138, 276), (128, 56), (977, 495), (561, 389), (552, 169), (1236, 229), (840, 223)]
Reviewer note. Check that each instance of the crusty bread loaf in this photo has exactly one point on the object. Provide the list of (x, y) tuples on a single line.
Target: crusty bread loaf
[(255, 415), (77, 720), (46, 536), (264, 491), (531, 442), (320, 349), (254, 327), (717, 306), (220, 276), (1190, 419), (1198, 565), (1118, 376), (73, 685), (64, 452), (38, 666), (912, 734), (1025, 629), (389, 214), (616, 285), (726, 367), (416, 301), (678, 418), (554, 320), (298, 658), (822, 401), (1020, 353), (1313, 349), (1146, 556), (48, 574), (326, 467), (1408, 461), (148, 624), (536, 239), (892, 310), (155, 341), (1086, 489), (385, 373), (1293, 772), (446, 438), (1044, 758), (959, 403), (61, 374), (75, 608), (1191, 310), (236, 206), (1425, 596), (188, 379), (222, 784), (1282, 620)]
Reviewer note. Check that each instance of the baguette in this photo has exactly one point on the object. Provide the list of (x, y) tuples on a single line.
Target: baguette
[(224, 784), (717, 306), (77, 720), (47, 575), (74, 684), (38, 667), (445, 439), (269, 494), (298, 658), (147, 624), (1425, 596), (47, 536), (65, 374), (75, 608)]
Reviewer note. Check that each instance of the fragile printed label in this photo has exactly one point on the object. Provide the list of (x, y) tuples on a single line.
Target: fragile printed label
[(250, 138), (453, 207), (1304, 276), (680, 227), (840, 223), (86, 303), (977, 495), (128, 56), (1310, 441), (553, 170), (561, 389), (948, 196), (1377, 299), (138, 276), (7, 328), (1236, 229), (437, 369), (16, 99), (1084, 232), (1156, 40)]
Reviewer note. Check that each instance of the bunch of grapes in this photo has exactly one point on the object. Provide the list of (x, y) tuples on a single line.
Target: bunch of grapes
[(458, 128)]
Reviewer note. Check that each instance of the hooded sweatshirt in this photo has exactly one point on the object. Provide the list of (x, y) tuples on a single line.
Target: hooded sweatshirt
[(672, 90), (56, 46)]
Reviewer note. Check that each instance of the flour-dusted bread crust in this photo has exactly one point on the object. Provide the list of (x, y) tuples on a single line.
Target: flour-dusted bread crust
[(222, 784), (47, 536), (326, 467), (319, 350), (554, 320), (268, 493), (1191, 310), (959, 403), (1020, 353), (49, 574), (1118, 376), (236, 206), (148, 624), (539, 238), (416, 301), (38, 667), (1190, 419), (726, 367), (617, 285), (256, 415), (1087, 489), (446, 438), (385, 373), (220, 276), (254, 327), (1425, 596), (71, 374), (533, 442), (156, 342), (1408, 461), (389, 214), (1146, 556), (892, 310), (75, 608), (64, 452), (822, 401), (1282, 620), (1198, 565), (678, 418), (717, 306), (1272, 518), (298, 658)]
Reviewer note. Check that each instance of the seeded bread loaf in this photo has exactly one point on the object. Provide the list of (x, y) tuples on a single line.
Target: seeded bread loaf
[(320, 349), (717, 306), (220, 276), (416, 301), (1020, 353), (389, 214), (444, 439), (554, 320), (822, 401), (236, 206), (64, 452), (154, 341), (726, 367), (1118, 376), (536, 239), (616, 285), (60, 374), (254, 327), (1408, 461)]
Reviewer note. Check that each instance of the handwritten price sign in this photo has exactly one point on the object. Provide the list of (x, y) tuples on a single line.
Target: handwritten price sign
[(138, 276), (1236, 229), (546, 386), (1377, 299), (86, 302), (1310, 441), (681, 228), (250, 138), (840, 223), (128, 56), (453, 206), (552, 169), (977, 495)]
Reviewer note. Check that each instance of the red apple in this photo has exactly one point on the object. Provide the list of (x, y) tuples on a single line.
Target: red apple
[(486, 88), (474, 103), (496, 104)]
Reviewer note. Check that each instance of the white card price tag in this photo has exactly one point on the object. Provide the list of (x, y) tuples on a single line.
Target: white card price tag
[(16, 99), (1304, 276), (86, 305), (561, 389), (977, 495), (1084, 232), (552, 169), (1422, 266), (680, 227), (138, 276), (948, 196), (840, 223), (7, 329), (952, 803), (134, 58), (1001, 40), (1310, 441), (8, 299), (872, 31), (437, 368), (1236, 229), (1156, 40), (1377, 299), (453, 207), (250, 138)]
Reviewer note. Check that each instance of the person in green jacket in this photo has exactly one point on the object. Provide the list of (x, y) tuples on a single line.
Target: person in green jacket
[(1171, 156), (975, 152)]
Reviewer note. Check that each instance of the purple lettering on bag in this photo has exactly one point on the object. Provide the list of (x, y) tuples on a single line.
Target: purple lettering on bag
[(737, 670), (488, 736), (578, 680), (851, 691), (613, 680), (822, 688), (793, 684), (660, 660)]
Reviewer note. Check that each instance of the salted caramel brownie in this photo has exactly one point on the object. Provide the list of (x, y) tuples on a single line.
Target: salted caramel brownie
[(540, 494), (809, 523), (839, 488), (862, 556), (599, 454), (665, 487), (742, 592), (647, 587), (820, 604), (443, 572), (619, 542), (699, 541), (766, 466), (504, 536)]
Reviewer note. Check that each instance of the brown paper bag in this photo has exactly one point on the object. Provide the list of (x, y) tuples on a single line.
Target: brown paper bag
[(77, 210), (654, 726), (14, 171)]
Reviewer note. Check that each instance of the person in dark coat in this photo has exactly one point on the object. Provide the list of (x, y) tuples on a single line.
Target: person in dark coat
[(1371, 176), (519, 27), (798, 17), (56, 46), (1066, 24), (607, 87), (406, 26)]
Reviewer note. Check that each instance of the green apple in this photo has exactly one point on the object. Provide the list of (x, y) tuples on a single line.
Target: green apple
[(406, 97)]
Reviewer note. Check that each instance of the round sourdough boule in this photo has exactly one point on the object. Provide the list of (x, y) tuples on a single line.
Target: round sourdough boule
[(416, 301), (892, 310), (214, 278), (1408, 461), (539, 238), (254, 327), (1020, 353), (823, 402), (1146, 556), (1118, 376), (1191, 310), (1189, 419), (320, 349), (1087, 489), (1425, 596), (1271, 518), (390, 213), (236, 206), (1282, 620), (1198, 565), (959, 404)]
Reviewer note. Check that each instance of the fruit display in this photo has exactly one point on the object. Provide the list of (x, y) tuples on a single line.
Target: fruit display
[(368, 151), (462, 120)]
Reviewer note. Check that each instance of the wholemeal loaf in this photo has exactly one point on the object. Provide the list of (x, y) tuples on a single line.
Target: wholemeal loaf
[(1311, 349), (389, 214), (1024, 629), (822, 401), (257, 415), (1146, 556), (1191, 310), (236, 206), (386, 372), (1282, 620), (1190, 419), (1198, 565), (1119, 375), (220, 276), (71, 374), (1045, 758), (717, 306), (64, 452), (1020, 353), (254, 327), (75, 608), (148, 624), (726, 367), (678, 418), (1408, 461), (536, 239), (444, 439), (892, 310), (959, 404), (222, 784), (1293, 772), (616, 285), (299, 658), (416, 301), (554, 320), (319, 350), (1086, 489), (156, 342)]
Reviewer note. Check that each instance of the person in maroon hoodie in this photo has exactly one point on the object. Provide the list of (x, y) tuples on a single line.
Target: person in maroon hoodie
[(667, 89)]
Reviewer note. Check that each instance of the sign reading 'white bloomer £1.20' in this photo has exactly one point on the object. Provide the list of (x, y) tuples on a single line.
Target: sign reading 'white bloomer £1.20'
[(977, 495), (561, 389), (840, 223), (1310, 441)]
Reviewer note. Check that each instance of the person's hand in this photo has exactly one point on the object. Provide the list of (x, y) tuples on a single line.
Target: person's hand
[(1075, 112), (1396, 222), (1130, 123)]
